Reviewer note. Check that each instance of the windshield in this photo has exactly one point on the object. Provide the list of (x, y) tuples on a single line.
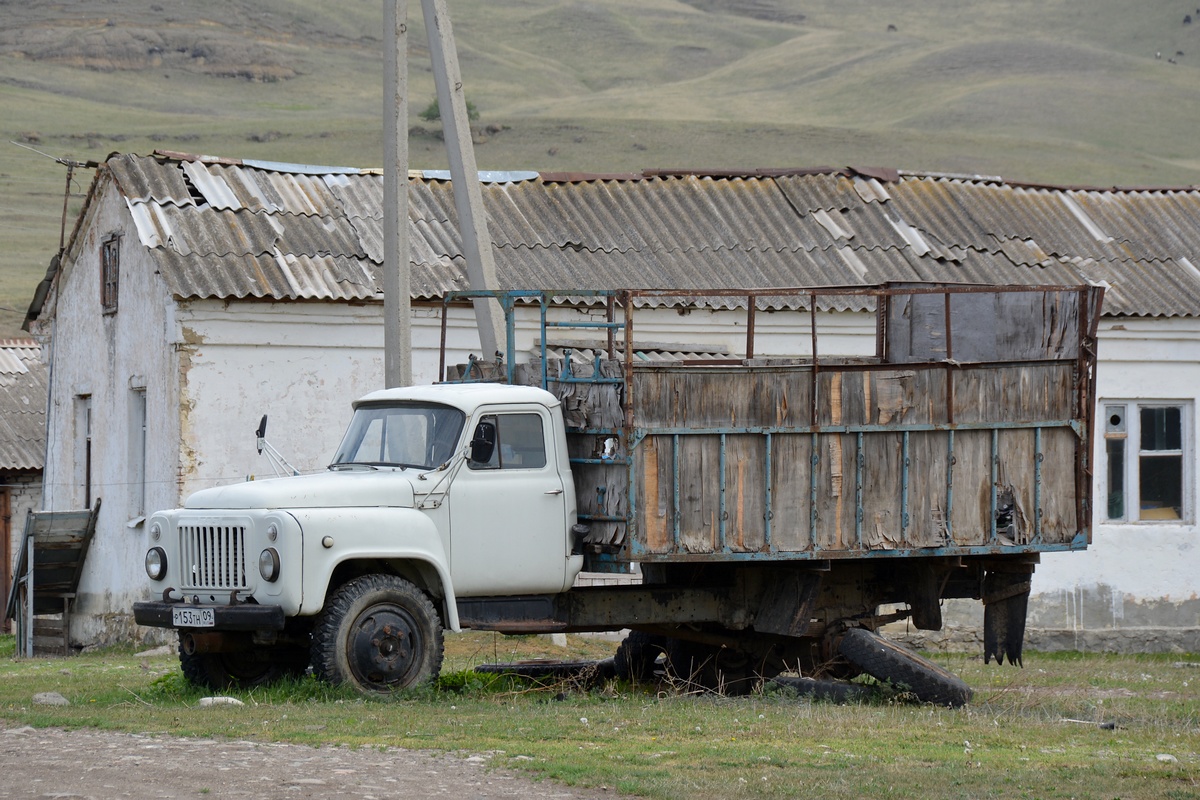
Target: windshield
[(401, 435)]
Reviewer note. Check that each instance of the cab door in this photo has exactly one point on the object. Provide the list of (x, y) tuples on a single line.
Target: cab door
[(508, 515)]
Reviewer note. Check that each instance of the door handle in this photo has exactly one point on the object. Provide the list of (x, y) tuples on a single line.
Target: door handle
[(555, 491)]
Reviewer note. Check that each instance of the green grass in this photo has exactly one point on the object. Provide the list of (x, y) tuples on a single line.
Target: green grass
[(1041, 91), (657, 742)]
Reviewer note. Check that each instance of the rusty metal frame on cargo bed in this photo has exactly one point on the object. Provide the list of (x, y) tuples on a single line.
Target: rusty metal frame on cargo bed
[(804, 300)]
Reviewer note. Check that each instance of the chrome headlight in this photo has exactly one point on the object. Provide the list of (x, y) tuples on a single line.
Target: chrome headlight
[(155, 532), (156, 563), (272, 532), (268, 564)]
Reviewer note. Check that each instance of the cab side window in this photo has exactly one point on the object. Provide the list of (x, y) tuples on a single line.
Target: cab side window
[(520, 442)]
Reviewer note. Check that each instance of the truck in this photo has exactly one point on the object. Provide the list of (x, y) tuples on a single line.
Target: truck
[(769, 512)]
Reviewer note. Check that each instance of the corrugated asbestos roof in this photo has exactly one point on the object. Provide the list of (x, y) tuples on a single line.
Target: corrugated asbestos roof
[(22, 405), (232, 229)]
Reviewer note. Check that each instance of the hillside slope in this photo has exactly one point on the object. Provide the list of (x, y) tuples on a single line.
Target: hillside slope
[(1048, 91)]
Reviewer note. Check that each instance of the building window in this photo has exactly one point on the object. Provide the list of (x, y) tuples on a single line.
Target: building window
[(83, 452), (110, 272), (1148, 472), (137, 452)]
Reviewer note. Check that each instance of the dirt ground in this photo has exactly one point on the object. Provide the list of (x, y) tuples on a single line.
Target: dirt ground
[(52, 763)]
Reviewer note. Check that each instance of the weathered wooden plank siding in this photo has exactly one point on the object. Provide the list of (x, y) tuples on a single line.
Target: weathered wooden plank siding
[(949, 493)]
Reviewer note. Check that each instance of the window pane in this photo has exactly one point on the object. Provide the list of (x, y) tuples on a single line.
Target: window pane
[(1162, 487), (1116, 478), (1161, 429), (403, 435), (521, 443)]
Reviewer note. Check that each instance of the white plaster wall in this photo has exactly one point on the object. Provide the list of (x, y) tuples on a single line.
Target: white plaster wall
[(105, 356), (1143, 573)]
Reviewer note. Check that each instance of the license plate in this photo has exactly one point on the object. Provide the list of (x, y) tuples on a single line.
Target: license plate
[(193, 617)]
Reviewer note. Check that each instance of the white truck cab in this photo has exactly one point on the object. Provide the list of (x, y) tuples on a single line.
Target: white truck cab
[(452, 490)]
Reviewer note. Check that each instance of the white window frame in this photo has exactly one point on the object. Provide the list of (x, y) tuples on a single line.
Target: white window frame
[(85, 455), (1130, 436), (137, 452)]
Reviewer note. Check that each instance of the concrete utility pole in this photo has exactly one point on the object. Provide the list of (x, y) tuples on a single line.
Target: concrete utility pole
[(397, 296), (464, 174)]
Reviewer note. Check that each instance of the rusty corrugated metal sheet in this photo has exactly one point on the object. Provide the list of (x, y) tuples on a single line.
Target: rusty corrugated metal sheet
[(231, 229), (23, 387)]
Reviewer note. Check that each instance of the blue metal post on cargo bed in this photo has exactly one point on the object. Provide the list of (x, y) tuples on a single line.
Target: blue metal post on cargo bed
[(1037, 485), (995, 465)]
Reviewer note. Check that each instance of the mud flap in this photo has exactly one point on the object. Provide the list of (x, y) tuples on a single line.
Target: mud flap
[(1005, 604)]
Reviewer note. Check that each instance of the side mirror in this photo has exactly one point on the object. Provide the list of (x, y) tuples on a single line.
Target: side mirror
[(261, 433), (483, 443)]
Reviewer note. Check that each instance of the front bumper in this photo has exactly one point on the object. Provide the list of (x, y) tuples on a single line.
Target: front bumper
[(241, 617)]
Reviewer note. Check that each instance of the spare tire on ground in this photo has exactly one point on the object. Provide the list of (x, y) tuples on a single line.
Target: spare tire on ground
[(887, 661)]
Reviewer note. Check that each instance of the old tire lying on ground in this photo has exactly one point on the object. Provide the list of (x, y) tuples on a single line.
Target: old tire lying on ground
[(637, 656), (242, 669), (887, 661), (378, 633)]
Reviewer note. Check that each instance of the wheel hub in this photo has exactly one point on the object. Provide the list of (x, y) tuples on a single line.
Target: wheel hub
[(380, 647)]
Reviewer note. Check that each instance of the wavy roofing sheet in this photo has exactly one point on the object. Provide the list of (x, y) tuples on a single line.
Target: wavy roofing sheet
[(234, 229), (23, 389)]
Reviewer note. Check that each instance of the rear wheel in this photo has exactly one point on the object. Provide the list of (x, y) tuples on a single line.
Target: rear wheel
[(378, 633), (887, 661), (637, 656), (732, 670)]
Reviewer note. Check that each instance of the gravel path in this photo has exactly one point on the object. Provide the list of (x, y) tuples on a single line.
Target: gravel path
[(53, 763)]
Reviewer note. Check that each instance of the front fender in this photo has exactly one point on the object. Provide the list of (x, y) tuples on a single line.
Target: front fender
[(334, 536)]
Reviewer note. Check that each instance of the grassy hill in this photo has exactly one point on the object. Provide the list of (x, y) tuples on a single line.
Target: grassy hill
[(1050, 91)]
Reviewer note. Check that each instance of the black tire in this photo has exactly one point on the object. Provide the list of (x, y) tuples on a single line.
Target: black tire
[(637, 656), (243, 669), (710, 668), (887, 661), (377, 633)]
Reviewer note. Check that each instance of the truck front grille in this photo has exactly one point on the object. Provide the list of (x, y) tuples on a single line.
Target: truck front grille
[(214, 556)]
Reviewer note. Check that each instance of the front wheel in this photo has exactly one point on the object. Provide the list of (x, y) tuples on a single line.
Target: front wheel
[(377, 633)]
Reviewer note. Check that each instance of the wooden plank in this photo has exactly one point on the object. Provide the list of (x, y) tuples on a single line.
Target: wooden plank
[(655, 519), (882, 484), (721, 398), (699, 493), (987, 326), (790, 470), (745, 502), (927, 489), (972, 466), (1015, 478), (1059, 493), (1024, 393)]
